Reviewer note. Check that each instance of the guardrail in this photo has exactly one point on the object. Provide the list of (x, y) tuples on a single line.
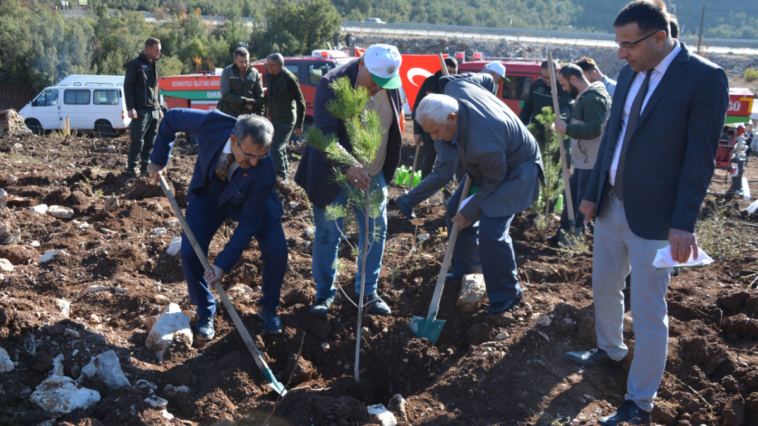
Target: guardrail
[(430, 30)]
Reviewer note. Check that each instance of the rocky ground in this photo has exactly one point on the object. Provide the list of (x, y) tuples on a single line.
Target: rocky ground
[(100, 294)]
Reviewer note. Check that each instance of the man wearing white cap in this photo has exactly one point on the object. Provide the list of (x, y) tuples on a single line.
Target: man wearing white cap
[(378, 71), (496, 70)]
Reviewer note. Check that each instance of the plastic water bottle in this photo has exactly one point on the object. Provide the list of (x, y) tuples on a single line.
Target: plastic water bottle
[(559, 204), (400, 177)]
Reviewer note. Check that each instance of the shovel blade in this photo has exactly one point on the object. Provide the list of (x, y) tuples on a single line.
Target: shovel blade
[(429, 328), (276, 385)]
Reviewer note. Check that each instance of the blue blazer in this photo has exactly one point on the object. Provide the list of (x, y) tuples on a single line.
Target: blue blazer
[(314, 173), (671, 156), (250, 196)]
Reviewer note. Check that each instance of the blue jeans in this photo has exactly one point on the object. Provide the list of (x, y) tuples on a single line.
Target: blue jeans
[(485, 247), (327, 239)]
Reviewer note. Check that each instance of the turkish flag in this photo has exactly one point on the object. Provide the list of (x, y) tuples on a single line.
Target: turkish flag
[(414, 70)]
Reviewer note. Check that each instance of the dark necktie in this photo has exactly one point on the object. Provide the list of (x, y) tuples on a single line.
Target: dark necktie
[(223, 169), (631, 126)]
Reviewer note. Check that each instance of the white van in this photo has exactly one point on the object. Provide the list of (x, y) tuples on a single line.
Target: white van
[(91, 102)]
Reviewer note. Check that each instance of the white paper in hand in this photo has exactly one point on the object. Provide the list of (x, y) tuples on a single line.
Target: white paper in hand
[(663, 259), (463, 204)]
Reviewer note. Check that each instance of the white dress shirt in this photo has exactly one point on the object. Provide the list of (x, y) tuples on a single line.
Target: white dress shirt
[(222, 159), (639, 78)]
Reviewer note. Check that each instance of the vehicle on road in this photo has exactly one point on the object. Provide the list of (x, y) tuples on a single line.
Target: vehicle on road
[(89, 102), (522, 73), (375, 21)]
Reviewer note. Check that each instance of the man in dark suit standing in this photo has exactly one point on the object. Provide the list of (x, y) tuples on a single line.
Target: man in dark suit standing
[(654, 166), (234, 177)]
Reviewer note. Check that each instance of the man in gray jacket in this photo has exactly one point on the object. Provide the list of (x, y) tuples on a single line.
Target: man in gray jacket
[(593, 104), (448, 162), (503, 160)]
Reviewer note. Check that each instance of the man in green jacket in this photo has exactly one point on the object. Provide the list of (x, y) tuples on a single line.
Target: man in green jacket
[(593, 105), (430, 85), (143, 105), (240, 84), (286, 107)]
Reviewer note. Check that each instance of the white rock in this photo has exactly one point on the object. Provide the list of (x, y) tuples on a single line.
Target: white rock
[(6, 364), (423, 237), (82, 226), (502, 336), (174, 247), (543, 320), (307, 244), (111, 203), (64, 306), (161, 299), (111, 148), (50, 254), (35, 244), (166, 414), (325, 347), (70, 332), (472, 292), (96, 288), (60, 212), (107, 368), (6, 265), (41, 209), (3, 198), (60, 395), (157, 402), (57, 366), (381, 414), (397, 405), (293, 206), (12, 179), (171, 324), (240, 288), (158, 231), (172, 223), (310, 232)]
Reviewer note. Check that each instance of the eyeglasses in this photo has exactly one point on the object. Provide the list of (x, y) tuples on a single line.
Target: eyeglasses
[(255, 157), (630, 45)]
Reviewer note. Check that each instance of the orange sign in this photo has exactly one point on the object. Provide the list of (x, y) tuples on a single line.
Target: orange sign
[(413, 72)]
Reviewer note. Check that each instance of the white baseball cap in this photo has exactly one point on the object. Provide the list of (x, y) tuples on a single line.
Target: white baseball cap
[(497, 68), (383, 62)]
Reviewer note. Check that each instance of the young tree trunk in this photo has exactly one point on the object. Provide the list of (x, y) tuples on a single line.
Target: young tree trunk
[(364, 256)]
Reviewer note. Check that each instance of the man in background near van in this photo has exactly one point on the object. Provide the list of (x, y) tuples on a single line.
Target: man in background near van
[(286, 108), (240, 84), (592, 73), (143, 104), (593, 104)]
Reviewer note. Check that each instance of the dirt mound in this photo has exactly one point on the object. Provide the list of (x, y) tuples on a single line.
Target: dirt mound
[(114, 274)]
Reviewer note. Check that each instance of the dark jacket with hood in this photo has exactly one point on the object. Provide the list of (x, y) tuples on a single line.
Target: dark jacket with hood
[(141, 84), (314, 173), (541, 96)]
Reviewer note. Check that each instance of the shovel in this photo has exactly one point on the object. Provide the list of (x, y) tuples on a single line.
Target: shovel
[(275, 384), (430, 327)]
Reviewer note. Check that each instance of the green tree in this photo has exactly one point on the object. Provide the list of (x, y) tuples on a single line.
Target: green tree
[(548, 141), (296, 29)]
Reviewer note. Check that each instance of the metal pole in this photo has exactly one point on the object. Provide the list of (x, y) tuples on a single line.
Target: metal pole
[(700, 38)]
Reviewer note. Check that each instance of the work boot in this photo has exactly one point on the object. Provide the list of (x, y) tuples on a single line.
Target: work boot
[(321, 306), (555, 239), (132, 172), (144, 173), (507, 305), (629, 414), (204, 328), (271, 321), (375, 304), (405, 208), (452, 276)]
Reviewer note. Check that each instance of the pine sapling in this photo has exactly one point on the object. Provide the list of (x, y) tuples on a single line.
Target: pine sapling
[(364, 129)]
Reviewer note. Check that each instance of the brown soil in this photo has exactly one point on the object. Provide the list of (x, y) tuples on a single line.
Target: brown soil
[(467, 378)]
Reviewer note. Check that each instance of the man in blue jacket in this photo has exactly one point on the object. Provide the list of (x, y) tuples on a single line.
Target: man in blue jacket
[(670, 102), (234, 177), (377, 71)]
